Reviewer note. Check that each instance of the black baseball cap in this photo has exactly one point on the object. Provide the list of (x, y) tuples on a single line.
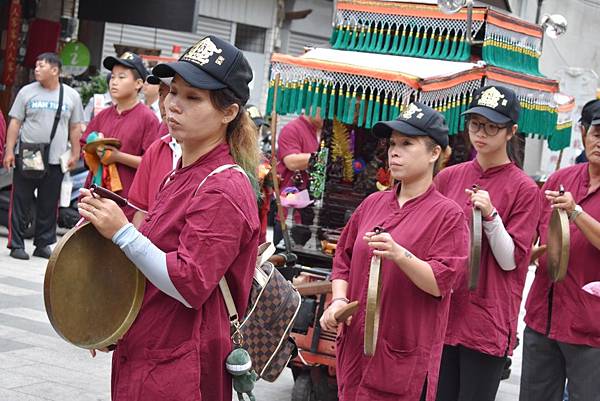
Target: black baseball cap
[(590, 110), (595, 118), (129, 60), (211, 64), (498, 104), (256, 116), (417, 119), (154, 80)]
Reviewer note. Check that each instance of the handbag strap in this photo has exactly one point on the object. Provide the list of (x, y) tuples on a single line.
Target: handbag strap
[(58, 111)]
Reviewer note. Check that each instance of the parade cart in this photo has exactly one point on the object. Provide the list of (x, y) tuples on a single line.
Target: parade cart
[(383, 55)]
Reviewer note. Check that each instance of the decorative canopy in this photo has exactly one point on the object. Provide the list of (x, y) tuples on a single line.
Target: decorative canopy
[(422, 30), (353, 88)]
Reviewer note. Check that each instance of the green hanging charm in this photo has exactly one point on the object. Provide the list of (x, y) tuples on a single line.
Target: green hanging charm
[(409, 41), (324, 98), (395, 41), (365, 46), (351, 108), (361, 39), (331, 106), (369, 110), (341, 102), (361, 109), (269, 107)]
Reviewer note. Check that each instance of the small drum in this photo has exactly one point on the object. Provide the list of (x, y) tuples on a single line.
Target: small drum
[(92, 291)]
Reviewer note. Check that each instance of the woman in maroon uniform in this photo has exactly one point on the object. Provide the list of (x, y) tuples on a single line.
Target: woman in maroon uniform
[(192, 237), (424, 246), (482, 326)]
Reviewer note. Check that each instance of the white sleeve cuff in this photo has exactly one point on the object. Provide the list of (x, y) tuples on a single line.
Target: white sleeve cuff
[(148, 258), (501, 243)]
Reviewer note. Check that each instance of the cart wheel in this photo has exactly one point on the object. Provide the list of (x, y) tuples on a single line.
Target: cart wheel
[(303, 388)]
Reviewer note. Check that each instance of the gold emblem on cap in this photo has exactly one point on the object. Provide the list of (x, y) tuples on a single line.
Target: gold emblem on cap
[(491, 98), (202, 51), (411, 109), (127, 56)]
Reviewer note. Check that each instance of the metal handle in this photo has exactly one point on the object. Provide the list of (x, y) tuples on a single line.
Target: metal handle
[(105, 193)]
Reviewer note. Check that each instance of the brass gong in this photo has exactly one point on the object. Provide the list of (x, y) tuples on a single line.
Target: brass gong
[(475, 252), (92, 291), (372, 308), (559, 239)]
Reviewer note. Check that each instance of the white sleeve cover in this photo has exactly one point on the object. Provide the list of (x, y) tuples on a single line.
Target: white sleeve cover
[(148, 258), (501, 243)]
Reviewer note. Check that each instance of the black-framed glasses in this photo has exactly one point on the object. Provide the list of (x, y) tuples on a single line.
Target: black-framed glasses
[(490, 129)]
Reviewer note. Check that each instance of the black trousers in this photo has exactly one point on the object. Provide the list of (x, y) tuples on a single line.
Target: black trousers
[(22, 200), (469, 375), (547, 363)]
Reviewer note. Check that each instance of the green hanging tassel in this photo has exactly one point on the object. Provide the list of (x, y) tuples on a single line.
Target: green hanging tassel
[(388, 40), (438, 45), (309, 97), (424, 43), (395, 41), (431, 45), (409, 42), (300, 97), (340, 37), (347, 38), (361, 109), (285, 102), (374, 39), (291, 107), (344, 117), (376, 110), (365, 46), (386, 106), (351, 108), (416, 43), (454, 47), (316, 99), (341, 102), (380, 38), (331, 106), (402, 44), (446, 48), (395, 110), (324, 97), (355, 35), (369, 111), (361, 39), (269, 107), (278, 107), (334, 34)]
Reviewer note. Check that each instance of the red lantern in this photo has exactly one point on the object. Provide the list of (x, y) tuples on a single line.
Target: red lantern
[(12, 43)]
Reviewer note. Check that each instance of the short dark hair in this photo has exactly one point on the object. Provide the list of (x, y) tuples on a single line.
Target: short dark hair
[(50, 58)]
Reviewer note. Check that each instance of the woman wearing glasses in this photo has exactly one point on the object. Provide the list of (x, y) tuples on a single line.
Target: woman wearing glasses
[(482, 323)]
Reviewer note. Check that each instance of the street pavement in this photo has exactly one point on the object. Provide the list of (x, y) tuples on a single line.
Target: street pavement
[(36, 364)]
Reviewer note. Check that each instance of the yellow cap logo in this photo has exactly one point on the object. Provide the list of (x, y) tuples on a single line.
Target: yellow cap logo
[(201, 52), (411, 110), (491, 98), (127, 56)]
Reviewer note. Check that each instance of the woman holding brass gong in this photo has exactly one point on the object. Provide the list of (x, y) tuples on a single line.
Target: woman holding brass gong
[(484, 309), (192, 236), (562, 334), (421, 238)]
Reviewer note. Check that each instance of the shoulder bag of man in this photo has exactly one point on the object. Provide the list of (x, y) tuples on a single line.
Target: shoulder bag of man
[(272, 308), (33, 157)]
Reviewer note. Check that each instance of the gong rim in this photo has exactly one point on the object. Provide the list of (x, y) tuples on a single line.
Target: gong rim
[(559, 238), (475, 251), (372, 307), (69, 300)]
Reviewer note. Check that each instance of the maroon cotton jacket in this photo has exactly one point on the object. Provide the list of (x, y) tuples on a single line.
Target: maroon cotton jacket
[(172, 352), (486, 319), (412, 322)]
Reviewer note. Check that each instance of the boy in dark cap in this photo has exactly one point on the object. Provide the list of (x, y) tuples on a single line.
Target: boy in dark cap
[(128, 120)]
